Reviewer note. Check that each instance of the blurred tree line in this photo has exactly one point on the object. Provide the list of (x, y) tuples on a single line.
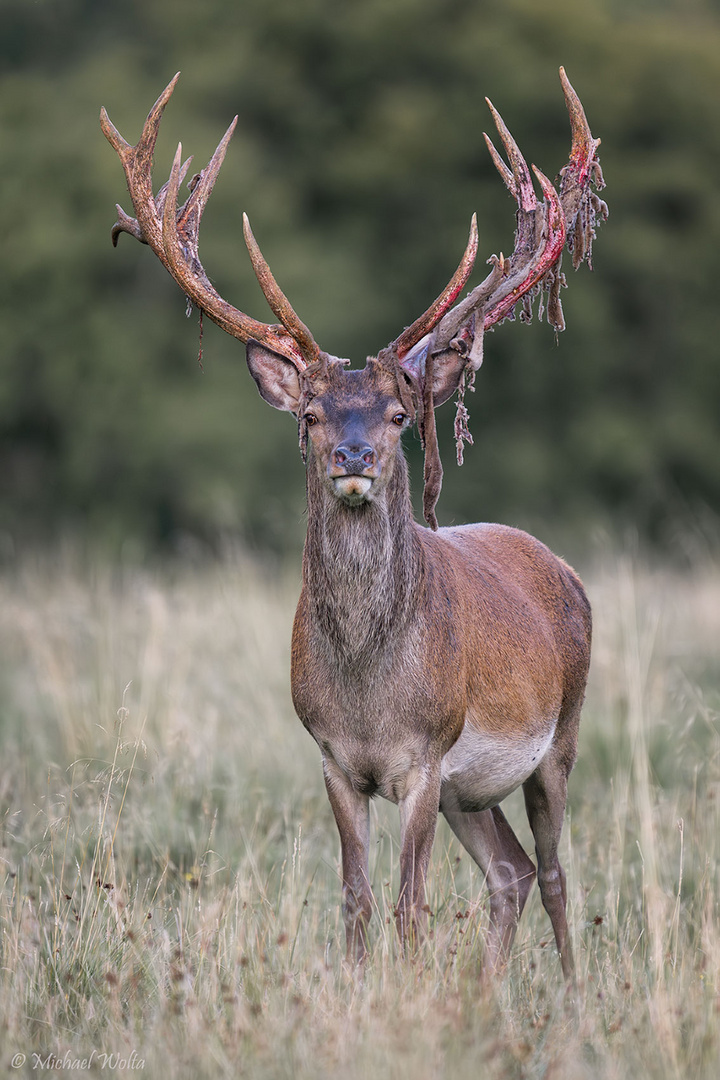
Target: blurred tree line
[(359, 158)]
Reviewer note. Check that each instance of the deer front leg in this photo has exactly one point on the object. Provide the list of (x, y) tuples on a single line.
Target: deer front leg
[(418, 820), (352, 816)]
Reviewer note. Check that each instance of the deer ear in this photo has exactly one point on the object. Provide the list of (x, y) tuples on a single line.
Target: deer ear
[(448, 366), (277, 378)]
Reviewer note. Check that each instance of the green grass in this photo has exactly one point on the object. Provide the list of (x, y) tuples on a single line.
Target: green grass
[(170, 868)]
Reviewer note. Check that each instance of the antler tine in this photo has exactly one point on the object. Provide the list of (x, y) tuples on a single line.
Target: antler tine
[(422, 326), (522, 188), (127, 224), (505, 173), (173, 234), (137, 163), (581, 205), (162, 193), (276, 298), (583, 144), (190, 215)]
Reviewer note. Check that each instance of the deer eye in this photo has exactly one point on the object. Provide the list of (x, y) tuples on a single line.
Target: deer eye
[(310, 419), (399, 418)]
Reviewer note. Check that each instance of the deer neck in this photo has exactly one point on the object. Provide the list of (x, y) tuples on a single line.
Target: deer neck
[(361, 568)]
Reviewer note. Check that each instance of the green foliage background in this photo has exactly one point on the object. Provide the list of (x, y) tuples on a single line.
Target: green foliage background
[(359, 157)]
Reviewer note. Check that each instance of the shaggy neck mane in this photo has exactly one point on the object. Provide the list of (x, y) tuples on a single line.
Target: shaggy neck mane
[(361, 568)]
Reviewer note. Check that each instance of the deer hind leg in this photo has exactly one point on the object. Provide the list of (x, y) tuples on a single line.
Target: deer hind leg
[(545, 797), (352, 816), (508, 871)]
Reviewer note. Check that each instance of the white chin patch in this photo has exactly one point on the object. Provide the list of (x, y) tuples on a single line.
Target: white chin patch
[(353, 489)]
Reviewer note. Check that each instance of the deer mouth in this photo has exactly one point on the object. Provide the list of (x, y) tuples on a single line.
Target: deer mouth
[(353, 489)]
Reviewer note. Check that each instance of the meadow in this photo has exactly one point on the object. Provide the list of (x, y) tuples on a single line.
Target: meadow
[(169, 866)]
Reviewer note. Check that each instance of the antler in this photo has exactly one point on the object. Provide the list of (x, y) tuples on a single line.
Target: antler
[(542, 230), (534, 266), (172, 233)]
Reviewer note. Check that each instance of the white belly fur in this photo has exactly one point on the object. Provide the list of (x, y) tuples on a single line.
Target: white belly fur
[(481, 769)]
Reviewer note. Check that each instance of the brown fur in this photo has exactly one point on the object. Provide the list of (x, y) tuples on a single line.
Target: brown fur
[(437, 669)]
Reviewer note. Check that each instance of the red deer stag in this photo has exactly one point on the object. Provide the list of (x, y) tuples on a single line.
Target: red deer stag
[(439, 668)]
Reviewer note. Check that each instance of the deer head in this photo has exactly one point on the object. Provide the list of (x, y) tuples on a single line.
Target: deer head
[(354, 419)]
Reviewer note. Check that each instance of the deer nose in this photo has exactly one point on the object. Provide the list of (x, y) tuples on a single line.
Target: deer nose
[(353, 457)]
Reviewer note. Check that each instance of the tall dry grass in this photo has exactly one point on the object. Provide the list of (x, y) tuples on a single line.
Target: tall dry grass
[(169, 864)]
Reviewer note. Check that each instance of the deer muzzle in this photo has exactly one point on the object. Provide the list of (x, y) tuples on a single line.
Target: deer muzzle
[(353, 468)]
